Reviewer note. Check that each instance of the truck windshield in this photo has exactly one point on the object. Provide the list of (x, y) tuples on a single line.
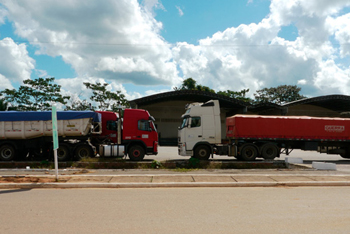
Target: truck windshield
[(151, 123), (184, 122)]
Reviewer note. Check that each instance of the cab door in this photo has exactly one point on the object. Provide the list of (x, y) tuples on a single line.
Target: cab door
[(194, 132)]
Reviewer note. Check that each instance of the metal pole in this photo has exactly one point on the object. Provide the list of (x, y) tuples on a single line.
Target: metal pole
[(56, 164)]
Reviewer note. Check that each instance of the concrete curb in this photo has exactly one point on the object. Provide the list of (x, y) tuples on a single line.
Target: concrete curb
[(170, 185)]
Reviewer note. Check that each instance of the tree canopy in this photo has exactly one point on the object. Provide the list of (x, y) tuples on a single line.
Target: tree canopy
[(35, 95), (191, 84), (41, 93), (279, 95), (107, 100)]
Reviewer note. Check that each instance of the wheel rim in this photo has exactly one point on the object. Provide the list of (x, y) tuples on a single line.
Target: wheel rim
[(136, 153), (202, 153), (62, 153), (249, 153), (6, 153), (83, 153)]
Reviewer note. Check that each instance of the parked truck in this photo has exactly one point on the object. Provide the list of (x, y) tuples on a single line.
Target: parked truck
[(252, 136), (80, 133)]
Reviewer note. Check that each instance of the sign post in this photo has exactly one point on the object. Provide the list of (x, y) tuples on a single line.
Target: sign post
[(55, 139)]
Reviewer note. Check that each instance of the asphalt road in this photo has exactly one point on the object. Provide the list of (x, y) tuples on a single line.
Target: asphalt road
[(170, 153), (191, 210)]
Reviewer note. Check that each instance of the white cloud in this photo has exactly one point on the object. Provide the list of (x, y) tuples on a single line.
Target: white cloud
[(119, 42), (333, 78), (116, 40), (181, 13), (15, 64), (253, 56), (5, 83), (3, 14)]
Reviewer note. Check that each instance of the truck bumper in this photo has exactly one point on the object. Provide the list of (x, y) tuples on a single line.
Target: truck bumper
[(182, 150)]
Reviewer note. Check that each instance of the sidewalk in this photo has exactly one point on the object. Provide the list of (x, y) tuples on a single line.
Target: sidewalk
[(29, 179)]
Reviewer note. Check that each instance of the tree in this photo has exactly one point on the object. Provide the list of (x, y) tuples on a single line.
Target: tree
[(35, 95), (79, 105), (3, 105), (241, 95), (279, 95), (107, 100), (191, 84)]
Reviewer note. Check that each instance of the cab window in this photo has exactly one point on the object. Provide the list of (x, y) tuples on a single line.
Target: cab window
[(143, 125), (111, 125), (195, 122)]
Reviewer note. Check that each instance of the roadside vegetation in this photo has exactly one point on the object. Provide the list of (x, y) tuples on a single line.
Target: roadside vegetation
[(41, 93)]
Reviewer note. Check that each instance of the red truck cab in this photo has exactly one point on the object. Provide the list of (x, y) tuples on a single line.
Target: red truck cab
[(136, 130), (138, 126)]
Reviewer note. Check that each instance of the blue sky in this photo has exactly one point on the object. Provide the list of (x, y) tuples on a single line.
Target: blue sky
[(201, 19), (142, 47)]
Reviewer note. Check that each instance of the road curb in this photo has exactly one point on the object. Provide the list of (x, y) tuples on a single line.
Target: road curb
[(170, 185)]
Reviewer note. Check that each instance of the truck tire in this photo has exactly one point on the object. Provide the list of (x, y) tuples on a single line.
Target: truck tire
[(248, 152), (269, 151), (136, 153), (202, 152), (83, 151), (7, 152), (63, 152)]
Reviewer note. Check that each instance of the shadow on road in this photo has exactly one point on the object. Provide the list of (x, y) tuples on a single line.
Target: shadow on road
[(14, 191)]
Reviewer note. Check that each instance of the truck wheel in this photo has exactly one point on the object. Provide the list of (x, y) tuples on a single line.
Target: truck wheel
[(136, 153), (83, 151), (269, 151), (249, 152), (63, 153), (7, 152), (202, 152)]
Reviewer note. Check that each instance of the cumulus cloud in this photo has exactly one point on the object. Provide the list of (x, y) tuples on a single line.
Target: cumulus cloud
[(254, 56), (15, 63), (116, 40), (120, 42)]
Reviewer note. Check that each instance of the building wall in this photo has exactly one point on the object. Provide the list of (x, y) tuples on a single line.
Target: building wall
[(311, 110)]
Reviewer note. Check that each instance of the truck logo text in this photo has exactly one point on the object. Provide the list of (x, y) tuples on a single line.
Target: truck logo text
[(334, 128)]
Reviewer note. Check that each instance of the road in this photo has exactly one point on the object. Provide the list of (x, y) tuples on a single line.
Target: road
[(191, 210), (170, 153)]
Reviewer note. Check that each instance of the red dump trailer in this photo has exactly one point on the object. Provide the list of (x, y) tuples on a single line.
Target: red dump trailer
[(254, 136)]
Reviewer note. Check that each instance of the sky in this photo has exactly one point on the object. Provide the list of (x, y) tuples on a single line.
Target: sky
[(144, 47)]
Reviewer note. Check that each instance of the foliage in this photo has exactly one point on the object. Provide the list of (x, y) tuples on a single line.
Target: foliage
[(191, 84), (279, 95), (107, 100), (3, 105), (35, 95), (156, 164), (241, 95), (79, 105)]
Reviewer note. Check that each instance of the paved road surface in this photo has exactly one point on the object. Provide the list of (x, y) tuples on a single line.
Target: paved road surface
[(192, 210), (170, 152)]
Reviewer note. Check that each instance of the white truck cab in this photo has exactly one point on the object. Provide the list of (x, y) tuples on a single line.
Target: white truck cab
[(200, 129)]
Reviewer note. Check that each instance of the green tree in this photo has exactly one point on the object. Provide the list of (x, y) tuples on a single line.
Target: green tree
[(191, 84), (79, 105), (35, 95), (279, 95), (107, 100), (3, 104), (240, 95)]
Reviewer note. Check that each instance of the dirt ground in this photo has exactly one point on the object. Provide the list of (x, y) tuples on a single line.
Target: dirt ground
[(28, 179)]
